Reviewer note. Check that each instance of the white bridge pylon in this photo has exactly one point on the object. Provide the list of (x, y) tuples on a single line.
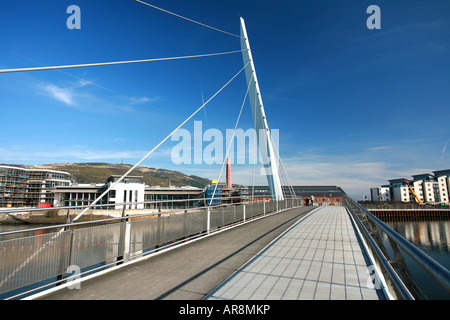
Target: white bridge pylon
[(264, 138)]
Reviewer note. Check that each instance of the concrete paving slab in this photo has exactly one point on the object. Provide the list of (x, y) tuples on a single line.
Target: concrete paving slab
[(318, 258)]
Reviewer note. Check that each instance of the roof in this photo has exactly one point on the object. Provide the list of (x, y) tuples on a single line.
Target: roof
[(397, 180), (439, 173), (32, 169), (137, 179), (302, 191), (424, 177), (84, 187), (172, 190)]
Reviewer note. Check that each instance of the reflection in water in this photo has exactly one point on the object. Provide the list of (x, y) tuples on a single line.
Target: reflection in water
[(12, 227), (432, 237)]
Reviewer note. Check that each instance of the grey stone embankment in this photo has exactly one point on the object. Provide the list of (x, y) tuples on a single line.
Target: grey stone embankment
[(61, 216)]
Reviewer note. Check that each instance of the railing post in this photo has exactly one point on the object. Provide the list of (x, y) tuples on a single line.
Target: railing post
[(208, 221), (64, 264), (159, 231), (126, 239), (186, 224)]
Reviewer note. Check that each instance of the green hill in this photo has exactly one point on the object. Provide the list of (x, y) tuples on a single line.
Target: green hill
[(98, 172)]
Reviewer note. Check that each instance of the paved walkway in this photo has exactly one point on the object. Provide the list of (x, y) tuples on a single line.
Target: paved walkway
[(319, 258)]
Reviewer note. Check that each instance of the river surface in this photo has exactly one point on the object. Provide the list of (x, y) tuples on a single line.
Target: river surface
[(432, 237)]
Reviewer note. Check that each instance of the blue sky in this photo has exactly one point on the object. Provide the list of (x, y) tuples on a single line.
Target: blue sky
[(354, 107)]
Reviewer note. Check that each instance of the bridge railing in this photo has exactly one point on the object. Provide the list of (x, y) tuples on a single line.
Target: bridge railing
[(36, 258), (391, 259)]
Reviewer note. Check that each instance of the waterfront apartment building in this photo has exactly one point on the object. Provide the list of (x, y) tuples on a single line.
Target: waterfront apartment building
[(380, 194), (428, 188), (131, 192), (443, 182), (22, 187)]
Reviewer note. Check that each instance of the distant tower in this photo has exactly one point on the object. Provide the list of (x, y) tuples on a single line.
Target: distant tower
[(228, 174)]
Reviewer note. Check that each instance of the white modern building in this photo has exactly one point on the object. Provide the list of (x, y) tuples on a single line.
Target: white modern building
[(418, 189), (443, 178), (428, 188), (380, 194), (443, 185), (129, 191)]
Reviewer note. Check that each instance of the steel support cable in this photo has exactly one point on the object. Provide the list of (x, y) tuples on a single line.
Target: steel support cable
[(157, 146), (63, 72), (115, 62), (180, 16), (231, 140)]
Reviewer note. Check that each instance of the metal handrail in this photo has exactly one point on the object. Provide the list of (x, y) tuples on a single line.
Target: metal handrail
[(400, 290), (34, 209), (247, 199), (433, 268)]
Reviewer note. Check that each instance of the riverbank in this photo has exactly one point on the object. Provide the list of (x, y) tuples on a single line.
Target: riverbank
[(63, 216), (381, 205)]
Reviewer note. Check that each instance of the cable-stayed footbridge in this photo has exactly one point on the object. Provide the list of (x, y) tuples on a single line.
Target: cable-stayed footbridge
[(271, 249)]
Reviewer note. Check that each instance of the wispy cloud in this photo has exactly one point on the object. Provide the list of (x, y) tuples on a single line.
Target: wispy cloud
[(444, 149), (355, 177), (25, 154), (136, 100), (84, 95), (380, 148), (64, 95)]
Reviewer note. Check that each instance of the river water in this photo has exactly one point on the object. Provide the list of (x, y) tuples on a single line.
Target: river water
[(432, 237)]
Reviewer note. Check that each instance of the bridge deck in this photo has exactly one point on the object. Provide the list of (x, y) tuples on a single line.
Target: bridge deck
[(319, 258), (290, 255)]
